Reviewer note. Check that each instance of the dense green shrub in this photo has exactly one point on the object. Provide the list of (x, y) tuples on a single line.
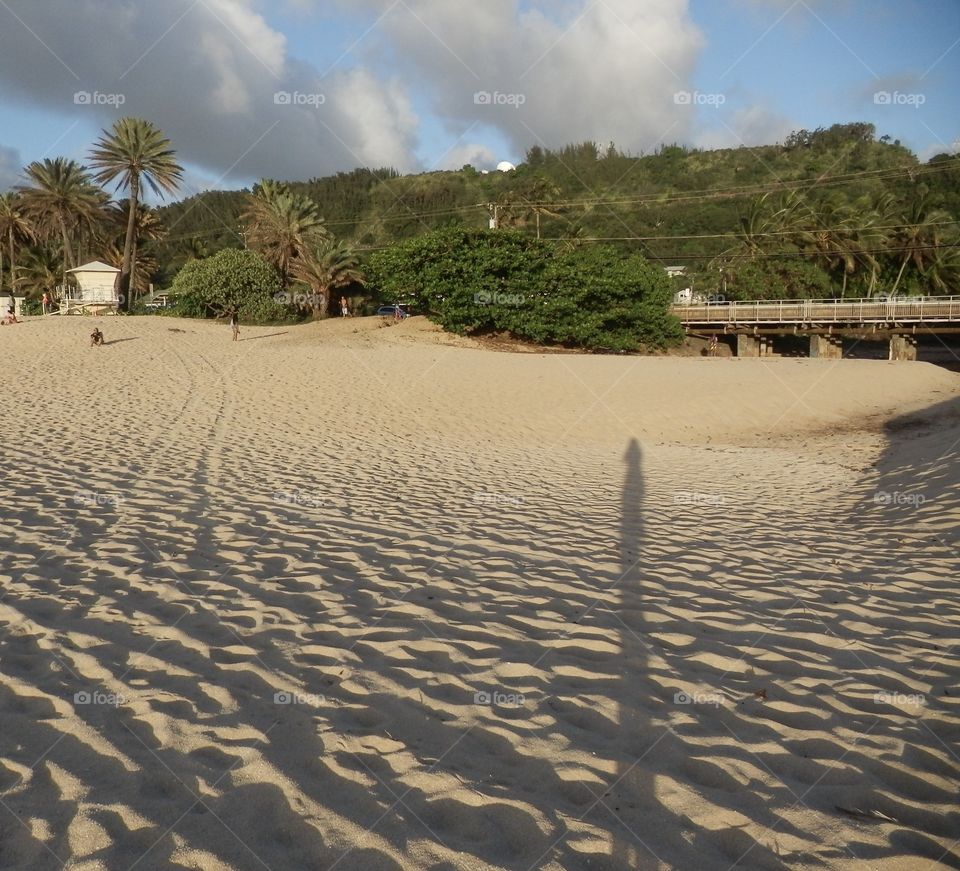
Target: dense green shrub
[(472, 281), (231, 280)]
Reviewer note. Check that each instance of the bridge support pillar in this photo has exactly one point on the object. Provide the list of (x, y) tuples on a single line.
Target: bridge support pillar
[(748, 346), (826, 347), (903, 348)]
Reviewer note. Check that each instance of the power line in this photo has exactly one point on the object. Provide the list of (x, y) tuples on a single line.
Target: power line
[(654, 199)]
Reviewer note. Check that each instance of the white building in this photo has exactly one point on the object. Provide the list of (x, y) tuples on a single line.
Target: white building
[(97, 289)]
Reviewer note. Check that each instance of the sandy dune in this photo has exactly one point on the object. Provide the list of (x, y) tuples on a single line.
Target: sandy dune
[(343, 596)]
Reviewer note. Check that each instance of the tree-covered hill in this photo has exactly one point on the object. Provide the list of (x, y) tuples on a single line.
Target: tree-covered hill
[(678, 206)]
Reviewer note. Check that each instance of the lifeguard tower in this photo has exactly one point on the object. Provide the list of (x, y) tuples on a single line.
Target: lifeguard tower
[(95, 293)]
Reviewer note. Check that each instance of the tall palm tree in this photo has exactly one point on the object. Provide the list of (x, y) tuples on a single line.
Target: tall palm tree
[(61, 199), (920, 237), (282, 225), (148, 228), (827, 232), (15, 228), (133, 154), (331, 266)]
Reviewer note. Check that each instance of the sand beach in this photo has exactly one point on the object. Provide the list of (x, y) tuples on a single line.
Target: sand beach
[(366, 598)]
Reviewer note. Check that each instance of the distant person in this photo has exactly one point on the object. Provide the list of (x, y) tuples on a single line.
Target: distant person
[(11, 316), (96, 337), (45, 299), (235, 326), (344, 308)]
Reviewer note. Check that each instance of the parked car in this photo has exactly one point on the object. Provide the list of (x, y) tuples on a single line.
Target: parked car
[(393, 311), (161, 300)]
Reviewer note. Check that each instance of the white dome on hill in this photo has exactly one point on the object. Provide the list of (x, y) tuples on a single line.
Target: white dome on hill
[(505, 166)]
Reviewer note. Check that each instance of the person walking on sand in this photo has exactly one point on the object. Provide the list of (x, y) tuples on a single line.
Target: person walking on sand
[(344, 307), (235, 326), (45, 300)]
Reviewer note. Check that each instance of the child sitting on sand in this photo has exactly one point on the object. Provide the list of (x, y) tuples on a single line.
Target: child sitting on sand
[(96, 337)]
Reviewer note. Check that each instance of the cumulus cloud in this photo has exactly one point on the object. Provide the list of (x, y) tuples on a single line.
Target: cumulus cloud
[(10, 166), (213, 75), (477, 155), (221, 82), (582, 70), (753, 125)]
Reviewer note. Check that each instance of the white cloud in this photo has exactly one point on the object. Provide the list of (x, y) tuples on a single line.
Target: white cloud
[(602, 71), (754, 125), (208, 74), (221, 83), (10, 168), (477, 155)]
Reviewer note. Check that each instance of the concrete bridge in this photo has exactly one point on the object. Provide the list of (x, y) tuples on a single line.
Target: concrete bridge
[(899, 320)]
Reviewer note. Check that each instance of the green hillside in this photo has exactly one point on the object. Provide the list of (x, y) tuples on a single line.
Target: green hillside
[(843, 177)]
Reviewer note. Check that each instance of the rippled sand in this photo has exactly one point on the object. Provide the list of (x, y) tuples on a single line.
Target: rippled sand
[(354, 597)]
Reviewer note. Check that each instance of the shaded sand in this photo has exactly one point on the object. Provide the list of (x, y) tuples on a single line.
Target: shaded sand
[(522, 611)]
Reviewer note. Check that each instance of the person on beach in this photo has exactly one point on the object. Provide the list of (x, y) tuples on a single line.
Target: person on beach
[(235, 326), (46, 302), (344, 308), (11, 317), (713, 346), (96, 337)]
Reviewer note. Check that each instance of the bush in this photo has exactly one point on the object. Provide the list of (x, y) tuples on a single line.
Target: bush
[(231, 280), (473, 282)]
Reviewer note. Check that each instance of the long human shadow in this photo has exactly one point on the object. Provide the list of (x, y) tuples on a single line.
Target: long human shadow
[(632, 800), (646, 834)]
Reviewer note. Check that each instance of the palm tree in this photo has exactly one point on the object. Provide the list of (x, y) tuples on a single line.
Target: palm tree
[(14, 228), (943, 270), (134, 153), (148, 228), (827, 232), (331, 266), (920, 238), (282, 226), (61, 199), (41, 270)]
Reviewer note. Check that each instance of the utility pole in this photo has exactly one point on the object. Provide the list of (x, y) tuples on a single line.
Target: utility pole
[(494, 210)]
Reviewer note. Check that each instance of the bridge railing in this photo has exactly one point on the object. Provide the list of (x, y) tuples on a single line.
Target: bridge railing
[(807, 311)]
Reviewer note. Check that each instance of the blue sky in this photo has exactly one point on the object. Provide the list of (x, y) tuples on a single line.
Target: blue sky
[(397, 81)]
